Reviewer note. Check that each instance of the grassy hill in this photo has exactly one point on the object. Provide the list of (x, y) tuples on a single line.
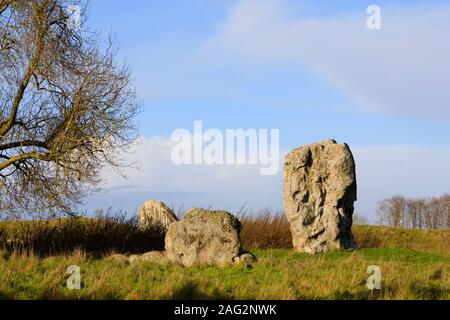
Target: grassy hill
[(431, 241), (415, 264)]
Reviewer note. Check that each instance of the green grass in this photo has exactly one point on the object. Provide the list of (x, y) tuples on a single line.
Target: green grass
[(279, 274), (415, 264), (388, 237)]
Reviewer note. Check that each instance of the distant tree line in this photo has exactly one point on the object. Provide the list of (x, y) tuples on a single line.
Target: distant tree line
[(418, 213)]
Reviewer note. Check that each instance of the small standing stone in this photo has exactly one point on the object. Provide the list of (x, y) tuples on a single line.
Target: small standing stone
[(155, 215)]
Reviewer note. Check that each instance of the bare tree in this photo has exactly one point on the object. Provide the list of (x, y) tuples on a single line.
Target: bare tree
[(415, 209), (67, 108), (359, 219), (391, 211), (421, 213), (446, 200)]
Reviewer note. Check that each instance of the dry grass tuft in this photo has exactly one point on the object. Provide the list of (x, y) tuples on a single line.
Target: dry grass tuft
[(265, 229), (103, 235)]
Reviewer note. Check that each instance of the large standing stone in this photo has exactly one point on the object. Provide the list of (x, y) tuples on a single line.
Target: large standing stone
[(319, 192), (155, 215), (204, 237)]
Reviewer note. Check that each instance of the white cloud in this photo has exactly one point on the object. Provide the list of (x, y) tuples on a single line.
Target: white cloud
[(382, 171), (401, 69), (222, 186)]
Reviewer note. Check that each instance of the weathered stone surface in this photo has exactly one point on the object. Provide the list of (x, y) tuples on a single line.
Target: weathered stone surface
[(319, 192), (155, 256), (152, 256), (155, 214), (245, 258), (204, 237), (134, 258), (119, 257)]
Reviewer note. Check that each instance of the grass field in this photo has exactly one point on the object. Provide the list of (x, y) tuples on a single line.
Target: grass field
[(415, 264), (279, 274)]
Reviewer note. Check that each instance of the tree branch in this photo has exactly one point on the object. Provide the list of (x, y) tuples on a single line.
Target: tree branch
[(4, 4), (7, 125), (25, 156), (20, 144)]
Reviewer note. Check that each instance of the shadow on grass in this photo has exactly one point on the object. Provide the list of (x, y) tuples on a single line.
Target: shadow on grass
[(6, 296), (421, 291), (429, 291), (191, 291), (367, 240), (362, 294)]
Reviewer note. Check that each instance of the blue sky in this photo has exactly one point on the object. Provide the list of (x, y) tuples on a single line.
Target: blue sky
[(309, 68)]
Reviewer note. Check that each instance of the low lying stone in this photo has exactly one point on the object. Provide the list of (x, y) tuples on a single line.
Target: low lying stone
[(152, 256), (134, 258), (246, 258), (155, 257), (119, 257)]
